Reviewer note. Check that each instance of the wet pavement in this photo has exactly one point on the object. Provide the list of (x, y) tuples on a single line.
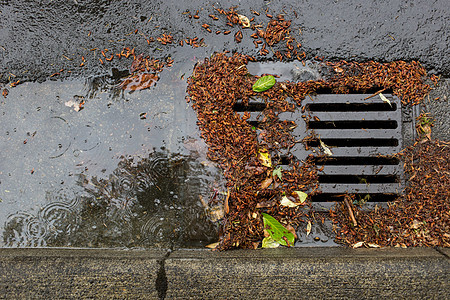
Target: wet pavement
[(129, 169)]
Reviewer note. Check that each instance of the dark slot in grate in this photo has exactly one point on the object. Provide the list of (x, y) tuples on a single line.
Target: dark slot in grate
[(362, 134), (327, 197), (368, 179), (353, 125), (347, 106), (373, 160), (346, 142)]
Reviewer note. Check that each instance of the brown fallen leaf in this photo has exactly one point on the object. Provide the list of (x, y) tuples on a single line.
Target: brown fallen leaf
[(266, 183), (268, 203), (291, 230), (139, 82)]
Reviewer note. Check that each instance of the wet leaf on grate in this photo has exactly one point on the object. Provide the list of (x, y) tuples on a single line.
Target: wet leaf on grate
[(302, 196), (308, 228), (264, 158), (277, 231), (325, 148), (383, 97), (264, 83)]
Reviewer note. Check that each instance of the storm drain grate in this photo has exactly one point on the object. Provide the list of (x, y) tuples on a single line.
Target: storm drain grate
[(362, 135)]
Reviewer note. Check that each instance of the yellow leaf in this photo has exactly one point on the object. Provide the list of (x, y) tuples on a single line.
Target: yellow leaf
[(325, 148), (308, 228), (245, 21), (269, 242), (373, 245), (212, 246), (302, 196), (383, 97), (286, 202), (264, 158)]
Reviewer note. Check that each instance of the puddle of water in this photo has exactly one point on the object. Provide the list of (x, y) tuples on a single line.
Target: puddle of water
[(127, 170)]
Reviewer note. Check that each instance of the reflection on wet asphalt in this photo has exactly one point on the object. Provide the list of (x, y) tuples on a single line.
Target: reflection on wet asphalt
[(103, 175)]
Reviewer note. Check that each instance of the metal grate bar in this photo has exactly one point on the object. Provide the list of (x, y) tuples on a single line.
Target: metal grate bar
[(374, 188), (363, 170), (354, 116)]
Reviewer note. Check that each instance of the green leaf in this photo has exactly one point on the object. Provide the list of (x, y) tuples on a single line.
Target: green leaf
[(264, 83), (277, 172), (269, 242), (301, 195), (277, 231)]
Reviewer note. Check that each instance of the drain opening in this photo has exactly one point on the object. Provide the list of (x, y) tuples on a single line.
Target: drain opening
[(358, 179), (371, 160), (352, 124), (346, 106), (347, 142)]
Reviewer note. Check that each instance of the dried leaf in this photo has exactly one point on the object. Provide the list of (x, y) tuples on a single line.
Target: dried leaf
[(291, 230), (266, 183), (277, 172), (373, 245), (383, 97), (358, 244), (308, 228), (269, 242), (213, 245), (264, 204), (286, 202), (277, 231), (264, 158), (264, 83), (302, 196), (245, 21), (325, 148)]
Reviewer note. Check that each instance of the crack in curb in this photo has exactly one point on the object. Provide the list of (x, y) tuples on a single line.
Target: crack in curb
[(442, 252), (161, 278)]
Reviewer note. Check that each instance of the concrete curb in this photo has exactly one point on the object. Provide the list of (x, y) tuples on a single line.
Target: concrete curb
[(270, 273)]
